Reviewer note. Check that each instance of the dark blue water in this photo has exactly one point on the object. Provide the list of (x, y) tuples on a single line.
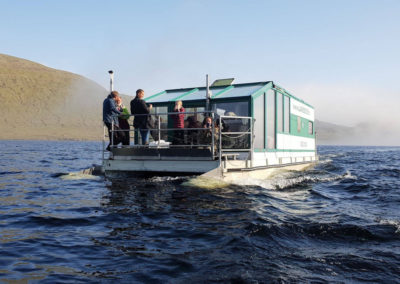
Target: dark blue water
[(339, 222)]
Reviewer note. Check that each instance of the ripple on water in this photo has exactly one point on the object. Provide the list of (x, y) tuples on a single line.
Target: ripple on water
[(336, 222)]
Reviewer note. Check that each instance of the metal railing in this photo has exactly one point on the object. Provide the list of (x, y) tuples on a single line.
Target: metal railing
[(225, 134)]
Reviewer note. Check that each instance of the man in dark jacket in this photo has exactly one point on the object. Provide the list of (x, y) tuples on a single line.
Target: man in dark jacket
[(110, 115), (140, 110)]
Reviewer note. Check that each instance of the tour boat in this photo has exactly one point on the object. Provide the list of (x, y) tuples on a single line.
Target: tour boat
[(256, 129)]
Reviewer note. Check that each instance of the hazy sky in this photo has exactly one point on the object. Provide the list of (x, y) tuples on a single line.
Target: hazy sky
[(340, 56)]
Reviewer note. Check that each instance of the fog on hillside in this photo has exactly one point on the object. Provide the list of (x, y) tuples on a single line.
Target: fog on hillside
[(371, 116)]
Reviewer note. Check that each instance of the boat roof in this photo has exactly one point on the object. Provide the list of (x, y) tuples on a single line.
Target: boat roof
[(199, 93), (218, 92)]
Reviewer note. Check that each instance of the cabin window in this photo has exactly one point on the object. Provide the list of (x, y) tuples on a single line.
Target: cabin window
[(258, 107), (232, 109), (310, 127), (234, 125), (163, 119), (279, 111), (199, 117), (298, 124), (270, 100), (286, 113)]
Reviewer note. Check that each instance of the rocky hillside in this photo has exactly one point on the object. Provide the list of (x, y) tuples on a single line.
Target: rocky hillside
[(38, 102)]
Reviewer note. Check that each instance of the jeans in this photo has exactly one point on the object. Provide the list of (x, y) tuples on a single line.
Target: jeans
[(144, 133)]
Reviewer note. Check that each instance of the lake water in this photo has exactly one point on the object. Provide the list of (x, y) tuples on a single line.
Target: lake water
[(339, 222)]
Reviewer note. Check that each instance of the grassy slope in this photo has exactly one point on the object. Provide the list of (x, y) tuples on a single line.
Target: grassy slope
[(38, 102)]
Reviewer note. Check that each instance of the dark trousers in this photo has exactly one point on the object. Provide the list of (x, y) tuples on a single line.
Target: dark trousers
[(178, 137), (124, 125), (119, 136), (126, 138)]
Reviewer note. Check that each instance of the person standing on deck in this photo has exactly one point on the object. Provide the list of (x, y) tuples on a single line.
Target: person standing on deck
[(123, 120), (139, 109), (193, 135), (179, 122), (110, 113)]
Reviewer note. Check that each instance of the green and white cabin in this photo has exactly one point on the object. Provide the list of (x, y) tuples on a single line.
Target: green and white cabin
[(279, 133)]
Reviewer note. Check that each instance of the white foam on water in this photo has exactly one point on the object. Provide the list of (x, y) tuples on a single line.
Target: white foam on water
[(395, 223), (348, 175), (205, 182), (164, 178), (336, 155), (285, 179), (265, 183), (78, 176), (327, 161)]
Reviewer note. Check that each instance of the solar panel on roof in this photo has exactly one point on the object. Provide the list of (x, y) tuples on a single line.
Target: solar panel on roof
[(223, 82)]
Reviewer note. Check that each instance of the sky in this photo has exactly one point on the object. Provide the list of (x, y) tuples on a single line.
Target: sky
[(340, 56)]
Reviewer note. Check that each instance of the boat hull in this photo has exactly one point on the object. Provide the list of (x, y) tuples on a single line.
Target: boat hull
[(212, 169)]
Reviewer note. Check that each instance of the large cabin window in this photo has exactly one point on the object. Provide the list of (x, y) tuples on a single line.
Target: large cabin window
[(234, 125), (286, 113), (270, 100)]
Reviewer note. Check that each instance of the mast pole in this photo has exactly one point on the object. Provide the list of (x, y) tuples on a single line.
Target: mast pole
[(208, 108), (111, 80)]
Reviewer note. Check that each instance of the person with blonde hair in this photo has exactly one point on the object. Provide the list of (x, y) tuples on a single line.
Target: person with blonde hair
[(179, 123), (123, 121)]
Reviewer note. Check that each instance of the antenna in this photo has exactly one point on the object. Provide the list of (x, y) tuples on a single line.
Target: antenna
[(111, 80), (208, 94)]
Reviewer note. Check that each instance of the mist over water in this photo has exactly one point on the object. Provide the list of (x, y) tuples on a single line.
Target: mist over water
[(370, 113), (337, 222)]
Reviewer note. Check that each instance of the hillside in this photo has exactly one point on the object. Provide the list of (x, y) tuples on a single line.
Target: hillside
[(38, 102)]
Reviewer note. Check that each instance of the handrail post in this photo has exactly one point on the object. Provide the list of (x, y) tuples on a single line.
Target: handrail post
[(220, 141), (112, 134), (103, 143), (212, 134), (159, 130), (251, 141)]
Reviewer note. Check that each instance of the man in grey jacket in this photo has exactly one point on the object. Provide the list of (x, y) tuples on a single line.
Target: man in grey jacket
[(110, 115)]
